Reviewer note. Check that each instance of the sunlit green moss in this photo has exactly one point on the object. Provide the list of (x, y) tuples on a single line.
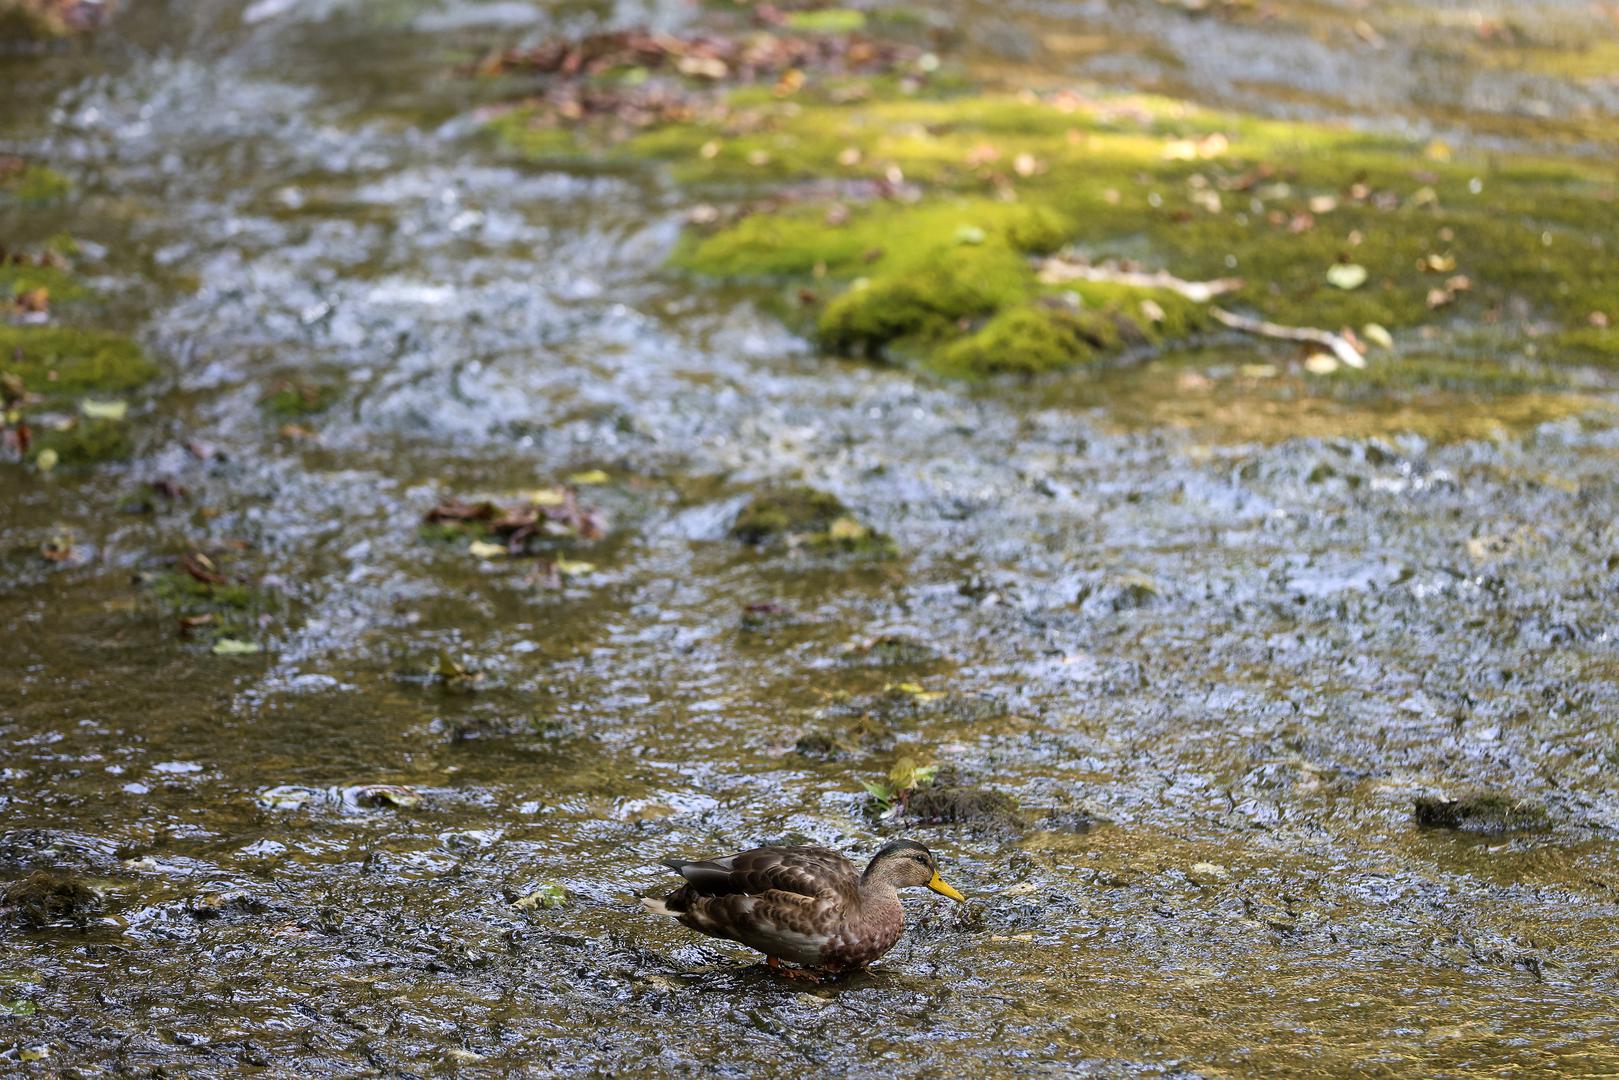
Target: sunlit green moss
[(53, 360), (924, 306), (1447, 243), (18, 278)]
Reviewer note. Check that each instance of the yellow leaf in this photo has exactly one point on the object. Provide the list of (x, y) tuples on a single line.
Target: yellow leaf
[(589, 476), (104, 410), (482, 549), (1377, 335), (574, 567), (846, 528)]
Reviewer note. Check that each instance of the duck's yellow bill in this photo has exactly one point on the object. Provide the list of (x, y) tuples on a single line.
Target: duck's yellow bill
[(938, 886)]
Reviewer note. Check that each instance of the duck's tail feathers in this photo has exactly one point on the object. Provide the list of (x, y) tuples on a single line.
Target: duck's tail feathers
[(658, 907)]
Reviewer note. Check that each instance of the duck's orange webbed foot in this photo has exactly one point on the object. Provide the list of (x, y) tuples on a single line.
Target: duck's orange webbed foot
[(791, 972)]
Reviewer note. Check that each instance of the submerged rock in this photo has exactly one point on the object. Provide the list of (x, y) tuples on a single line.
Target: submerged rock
[(1481, 812), (50, 896), (948, 800)]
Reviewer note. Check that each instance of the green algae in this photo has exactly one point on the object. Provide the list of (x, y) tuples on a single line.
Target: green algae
[(84, 442), (58, 360), (296, 398), (17, 278), (190, 596), (212, 599)]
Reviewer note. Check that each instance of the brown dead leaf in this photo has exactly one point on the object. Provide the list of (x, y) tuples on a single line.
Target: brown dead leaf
[(202, 568)]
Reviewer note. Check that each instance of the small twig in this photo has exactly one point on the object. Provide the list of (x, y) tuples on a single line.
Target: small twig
[(1056, 271), (1346, 353)]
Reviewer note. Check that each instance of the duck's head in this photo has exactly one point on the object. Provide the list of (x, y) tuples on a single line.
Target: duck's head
[(905, 864)]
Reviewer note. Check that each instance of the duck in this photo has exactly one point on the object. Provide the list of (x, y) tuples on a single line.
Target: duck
[(801, 904)]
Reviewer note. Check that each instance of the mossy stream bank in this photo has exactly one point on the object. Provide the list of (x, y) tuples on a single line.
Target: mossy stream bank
[(491, 524)]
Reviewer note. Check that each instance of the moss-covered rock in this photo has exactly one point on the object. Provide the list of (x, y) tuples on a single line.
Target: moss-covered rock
[(804, 517), (49, 896)]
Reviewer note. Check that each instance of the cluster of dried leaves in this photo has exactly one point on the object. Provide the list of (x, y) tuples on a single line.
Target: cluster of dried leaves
[(53, 18), (745, 57), (610, 75), (553, 514)]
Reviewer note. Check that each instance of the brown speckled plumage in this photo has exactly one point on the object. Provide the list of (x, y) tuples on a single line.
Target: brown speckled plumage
[(806, 905)]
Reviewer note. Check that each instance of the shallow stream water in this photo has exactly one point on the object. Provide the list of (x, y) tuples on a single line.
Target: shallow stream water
[(1214, 672)]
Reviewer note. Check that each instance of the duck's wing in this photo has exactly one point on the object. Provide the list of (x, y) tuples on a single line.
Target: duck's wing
[(814, 872), (787, 902)]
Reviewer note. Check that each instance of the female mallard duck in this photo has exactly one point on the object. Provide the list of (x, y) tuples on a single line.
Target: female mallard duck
[(808, 905)]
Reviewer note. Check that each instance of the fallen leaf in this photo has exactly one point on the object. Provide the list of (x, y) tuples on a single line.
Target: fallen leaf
[(574, 567), (546, 896), (589, 476), (1346, 276), (1377, 335), (233, 647), (483, 549)]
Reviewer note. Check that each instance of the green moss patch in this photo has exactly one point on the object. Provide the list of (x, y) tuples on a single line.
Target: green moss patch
[(28, 181), (296, 398), (213, 598), (82, 442), (59, 360), (909, 213)]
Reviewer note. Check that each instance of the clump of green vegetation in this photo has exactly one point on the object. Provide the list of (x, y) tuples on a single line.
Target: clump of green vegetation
[(1482, 812), (57, 361), (804, 517), (190, 596), (49, 896), (83, 442), (1067, 331), (212, 599), (29, 181), (22, 276), (901, 783), (295, 398)]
